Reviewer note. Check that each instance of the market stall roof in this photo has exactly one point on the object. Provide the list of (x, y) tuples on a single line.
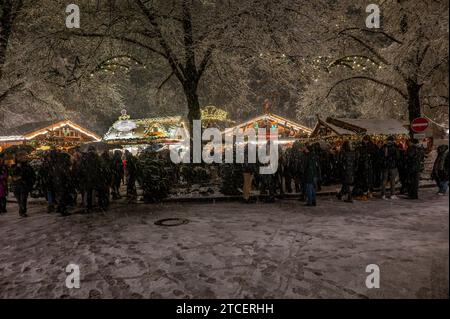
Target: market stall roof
[(346, 126), (371, 126), (31, 130), (156, 128), (332, 128), (275, 118)]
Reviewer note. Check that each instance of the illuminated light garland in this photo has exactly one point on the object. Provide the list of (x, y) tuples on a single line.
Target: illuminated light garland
[(270, 117), (114, 64), (60, 125), (212, 113), (12, 138)]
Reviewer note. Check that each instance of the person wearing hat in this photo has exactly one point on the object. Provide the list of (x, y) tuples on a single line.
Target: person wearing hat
[(3, 185), (23, 177)]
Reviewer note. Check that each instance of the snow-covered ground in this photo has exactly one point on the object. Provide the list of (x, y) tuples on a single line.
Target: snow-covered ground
[(231, 250)]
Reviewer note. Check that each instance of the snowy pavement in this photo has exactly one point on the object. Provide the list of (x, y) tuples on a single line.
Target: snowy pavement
[(231, 250)]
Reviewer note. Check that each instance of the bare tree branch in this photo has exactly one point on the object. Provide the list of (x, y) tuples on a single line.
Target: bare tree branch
[(11, 90), (390, 37), (399, 91)]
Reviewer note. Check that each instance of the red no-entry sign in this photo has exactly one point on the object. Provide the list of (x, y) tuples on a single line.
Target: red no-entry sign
[(420, 124)]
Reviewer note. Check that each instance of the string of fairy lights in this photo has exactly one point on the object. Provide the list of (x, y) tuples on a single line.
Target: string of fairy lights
[(116, 64), (326, 65), (314, 67)]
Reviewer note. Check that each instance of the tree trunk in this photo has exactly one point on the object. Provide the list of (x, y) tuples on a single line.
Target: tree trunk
[(414, 109), (190, 91), (193, 104), (6, 18)]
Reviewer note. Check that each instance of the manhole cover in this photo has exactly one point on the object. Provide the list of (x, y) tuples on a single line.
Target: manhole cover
[(171, 222)]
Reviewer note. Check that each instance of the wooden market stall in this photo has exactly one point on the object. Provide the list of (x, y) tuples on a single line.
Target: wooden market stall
[(354, 129), (287, 129), (137, 134), (64, 133)]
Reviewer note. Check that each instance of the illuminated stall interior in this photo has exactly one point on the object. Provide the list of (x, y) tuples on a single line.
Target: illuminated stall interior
[(137, 134), (339, 129), (288, 130)]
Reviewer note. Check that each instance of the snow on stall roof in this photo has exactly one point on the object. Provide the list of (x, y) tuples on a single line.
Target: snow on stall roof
[(339, 130), (167, 123), (31, 127), (377, 126)]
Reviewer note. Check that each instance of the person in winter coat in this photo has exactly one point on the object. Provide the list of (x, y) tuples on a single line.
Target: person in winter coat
[(310, 175), (440, 169), (347, 158), (390, 157), (269, 182), (105, 182), (248, 170), (75, 176), (44, 174), (365, 167), (90, 168), (117, 174), (377, 166), (317, 150), (403, 173), (280, 174), (414, 164), (288, 169), (60, 180), (23, 177), (296, 165), (131, 175), (3, 185)]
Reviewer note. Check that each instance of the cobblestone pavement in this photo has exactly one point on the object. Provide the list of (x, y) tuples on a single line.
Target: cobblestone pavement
[(231, 250)]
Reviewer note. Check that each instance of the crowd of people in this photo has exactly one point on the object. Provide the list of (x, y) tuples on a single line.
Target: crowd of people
[(360, 168), (62, 178)]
